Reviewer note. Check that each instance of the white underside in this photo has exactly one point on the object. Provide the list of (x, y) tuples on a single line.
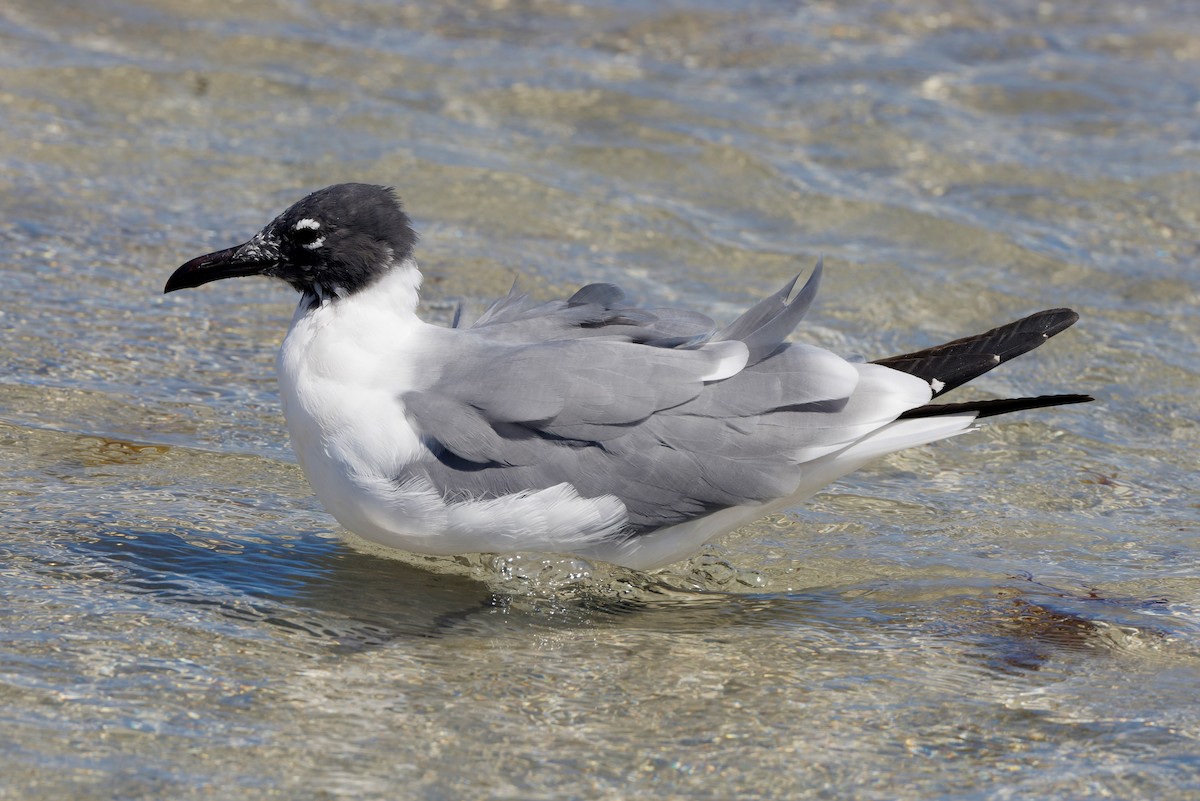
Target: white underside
[(341, 385)]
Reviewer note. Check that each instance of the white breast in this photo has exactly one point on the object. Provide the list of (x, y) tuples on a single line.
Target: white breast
[(342, 370)]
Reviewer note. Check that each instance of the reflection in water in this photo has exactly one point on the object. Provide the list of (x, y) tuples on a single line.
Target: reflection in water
[(335, 596), (315, 589)]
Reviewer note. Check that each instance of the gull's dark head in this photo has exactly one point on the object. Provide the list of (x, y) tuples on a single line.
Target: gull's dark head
[(330, 244)]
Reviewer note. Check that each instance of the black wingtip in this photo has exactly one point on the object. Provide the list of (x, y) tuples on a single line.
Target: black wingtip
[(991, 408), (954, 363)]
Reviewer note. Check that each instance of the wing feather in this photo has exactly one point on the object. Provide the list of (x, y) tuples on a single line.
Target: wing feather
[(649, 406)]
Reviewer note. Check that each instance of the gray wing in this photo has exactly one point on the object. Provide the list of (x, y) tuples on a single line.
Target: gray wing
[(596, 310), (620, 413)]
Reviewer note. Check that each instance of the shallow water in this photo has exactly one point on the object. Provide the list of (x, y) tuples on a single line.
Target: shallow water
[(1013, 612)]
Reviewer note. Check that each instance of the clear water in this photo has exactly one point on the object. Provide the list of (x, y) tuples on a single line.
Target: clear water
[(1012, 613)]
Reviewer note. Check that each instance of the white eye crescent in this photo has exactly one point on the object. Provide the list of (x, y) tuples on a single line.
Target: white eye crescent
[(306, 233)]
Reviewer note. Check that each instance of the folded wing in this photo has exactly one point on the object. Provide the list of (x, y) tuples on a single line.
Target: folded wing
[(660, 411)]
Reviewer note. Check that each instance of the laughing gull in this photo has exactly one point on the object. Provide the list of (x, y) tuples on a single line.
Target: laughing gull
[(586, 425)]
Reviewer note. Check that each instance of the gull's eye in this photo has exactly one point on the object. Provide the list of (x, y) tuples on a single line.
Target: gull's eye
[(308, 234)]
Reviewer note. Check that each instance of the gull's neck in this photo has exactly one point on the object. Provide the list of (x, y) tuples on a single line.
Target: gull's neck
[(397, 290)]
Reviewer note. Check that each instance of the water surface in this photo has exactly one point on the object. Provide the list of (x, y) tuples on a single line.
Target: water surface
[(1014, 612)]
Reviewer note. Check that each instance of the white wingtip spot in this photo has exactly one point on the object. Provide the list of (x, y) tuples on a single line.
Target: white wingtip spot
[(937, 385)]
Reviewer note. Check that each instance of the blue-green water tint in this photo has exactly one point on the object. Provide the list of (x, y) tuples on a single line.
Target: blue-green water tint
[(1015, 611)]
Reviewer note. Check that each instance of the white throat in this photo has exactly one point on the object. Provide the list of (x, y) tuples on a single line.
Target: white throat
[(398, 287), (343, 366)]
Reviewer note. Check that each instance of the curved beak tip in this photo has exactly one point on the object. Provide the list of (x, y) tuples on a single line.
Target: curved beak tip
[(174, 282), (194, 273)]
